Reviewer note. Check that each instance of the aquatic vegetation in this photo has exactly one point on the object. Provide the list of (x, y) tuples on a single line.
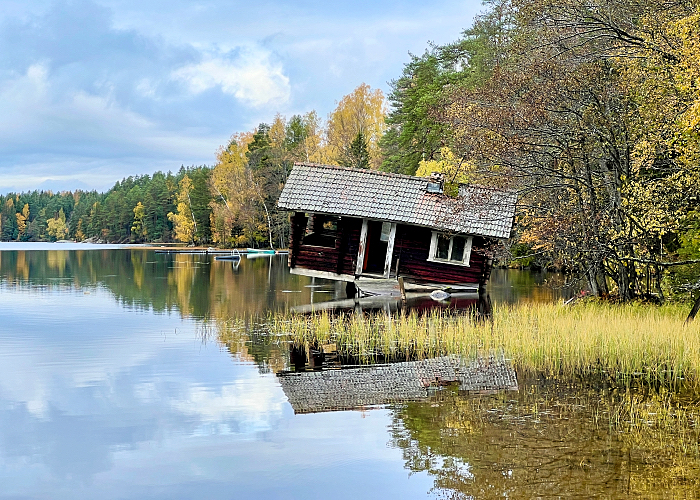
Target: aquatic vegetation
[(618, 341), (553, 439), (607, 404)]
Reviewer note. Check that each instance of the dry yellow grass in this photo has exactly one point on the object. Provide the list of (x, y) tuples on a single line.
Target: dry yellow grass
[(621, 339)]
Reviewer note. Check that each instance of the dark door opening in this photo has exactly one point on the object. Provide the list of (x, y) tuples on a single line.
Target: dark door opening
[(376, 246)]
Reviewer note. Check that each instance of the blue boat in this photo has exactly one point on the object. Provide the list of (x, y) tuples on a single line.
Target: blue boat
[(267, 251), (235, 255)]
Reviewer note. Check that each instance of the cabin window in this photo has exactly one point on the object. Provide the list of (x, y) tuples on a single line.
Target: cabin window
[(321, 230), (386, 231), (449, 249)]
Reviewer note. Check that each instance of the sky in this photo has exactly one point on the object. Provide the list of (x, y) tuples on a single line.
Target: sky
[(92, 91)]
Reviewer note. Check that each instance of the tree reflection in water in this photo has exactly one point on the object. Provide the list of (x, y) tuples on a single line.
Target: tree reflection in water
[(549, 439), (553, 439)]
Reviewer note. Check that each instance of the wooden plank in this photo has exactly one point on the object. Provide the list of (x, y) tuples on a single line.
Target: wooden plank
[(374, 286), (389, 251), (415, 249), (341, 244), (352, 229), (322, 274), (295, 236), (319, 258), (361, 250)]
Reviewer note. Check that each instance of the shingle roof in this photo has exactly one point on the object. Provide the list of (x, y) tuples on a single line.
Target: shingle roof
[(397, 198)]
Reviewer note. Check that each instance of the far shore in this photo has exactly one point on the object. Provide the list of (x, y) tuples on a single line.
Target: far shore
[(78, 245)]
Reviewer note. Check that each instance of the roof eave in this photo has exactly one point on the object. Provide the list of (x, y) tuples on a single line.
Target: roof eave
[(436, 228)]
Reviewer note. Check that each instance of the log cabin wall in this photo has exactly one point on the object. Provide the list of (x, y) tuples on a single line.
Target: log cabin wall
[(412, 248), (351, 229), (339, 259), (298, 223)]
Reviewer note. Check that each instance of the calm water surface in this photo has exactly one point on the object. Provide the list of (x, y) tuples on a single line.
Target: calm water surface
[(114, 383)]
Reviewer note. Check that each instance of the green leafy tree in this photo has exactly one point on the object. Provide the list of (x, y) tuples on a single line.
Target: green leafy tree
[(200, 198), (9, 221), (590, 116), (416, 130)]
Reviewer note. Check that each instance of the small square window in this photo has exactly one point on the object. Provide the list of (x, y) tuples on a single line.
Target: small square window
[(450, 249)]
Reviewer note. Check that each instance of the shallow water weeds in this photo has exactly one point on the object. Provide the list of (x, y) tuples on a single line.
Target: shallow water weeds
[(622, 341), (553, 439)]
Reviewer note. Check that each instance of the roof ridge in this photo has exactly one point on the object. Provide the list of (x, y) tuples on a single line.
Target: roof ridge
[(400, 176), (361, 170)]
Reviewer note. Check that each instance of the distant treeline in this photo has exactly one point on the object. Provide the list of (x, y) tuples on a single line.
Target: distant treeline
[(109, 216)]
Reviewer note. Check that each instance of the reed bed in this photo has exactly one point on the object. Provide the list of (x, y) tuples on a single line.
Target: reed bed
[(620, 340)]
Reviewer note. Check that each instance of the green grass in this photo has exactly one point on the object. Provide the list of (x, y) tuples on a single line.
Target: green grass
[(619, 340)]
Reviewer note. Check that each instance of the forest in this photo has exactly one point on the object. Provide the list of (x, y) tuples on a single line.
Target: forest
[(589, 110)]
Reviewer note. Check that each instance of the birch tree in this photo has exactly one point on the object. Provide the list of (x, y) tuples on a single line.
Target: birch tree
[(184, 223), (361, 111)]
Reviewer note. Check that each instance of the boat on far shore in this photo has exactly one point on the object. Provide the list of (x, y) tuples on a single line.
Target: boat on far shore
[(225, 254), (267, 251)]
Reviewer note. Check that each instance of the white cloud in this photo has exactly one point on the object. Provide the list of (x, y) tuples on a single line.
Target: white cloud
[(110, 88), (34, 106), (252, 78), (48, 131), (22, 98), (146, 88), (104, 112), (253, 401)]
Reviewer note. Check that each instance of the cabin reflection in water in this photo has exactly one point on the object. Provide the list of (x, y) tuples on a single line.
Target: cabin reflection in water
[(326, 384), (477, 304)]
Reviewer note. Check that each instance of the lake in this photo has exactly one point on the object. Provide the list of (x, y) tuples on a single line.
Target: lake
[(125, 373)]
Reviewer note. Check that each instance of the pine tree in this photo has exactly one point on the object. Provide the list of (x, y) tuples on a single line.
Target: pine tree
[(356, 155)]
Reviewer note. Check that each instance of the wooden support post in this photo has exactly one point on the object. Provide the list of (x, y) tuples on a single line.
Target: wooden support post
[(389, 251), (361, 251), (296, 234), (402, 290)]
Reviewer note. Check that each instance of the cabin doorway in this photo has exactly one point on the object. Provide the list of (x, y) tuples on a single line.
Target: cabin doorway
[(376, 247)]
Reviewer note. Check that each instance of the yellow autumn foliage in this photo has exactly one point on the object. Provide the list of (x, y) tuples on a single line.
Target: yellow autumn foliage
[(183, 221), (363, 110), (456, 170)]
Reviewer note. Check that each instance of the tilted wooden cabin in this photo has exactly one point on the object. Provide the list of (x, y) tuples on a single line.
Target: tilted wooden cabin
[(350, 223)]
